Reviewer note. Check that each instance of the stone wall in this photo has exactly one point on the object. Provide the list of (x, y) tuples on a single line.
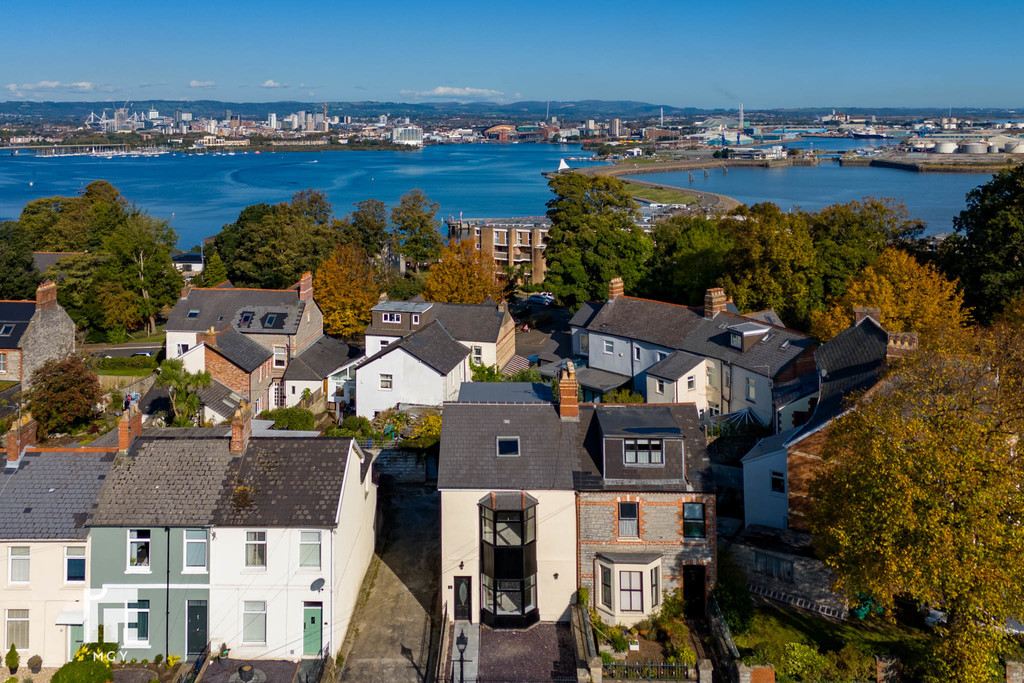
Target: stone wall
[(49, 336), (13, 372), (810, 588)]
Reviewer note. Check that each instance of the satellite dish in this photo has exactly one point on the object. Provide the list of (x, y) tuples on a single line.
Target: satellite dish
[(317, 586)]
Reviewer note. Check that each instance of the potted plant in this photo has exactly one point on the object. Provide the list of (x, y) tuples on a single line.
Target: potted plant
[(12, 660), (35, 663)]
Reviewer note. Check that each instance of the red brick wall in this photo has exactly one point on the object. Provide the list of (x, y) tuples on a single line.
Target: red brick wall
[(227, 373)]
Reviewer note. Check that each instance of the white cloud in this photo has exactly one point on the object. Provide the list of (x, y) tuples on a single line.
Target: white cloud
[(78, 86), (152, 85), (271, 83), (201, 84), (449, 92)]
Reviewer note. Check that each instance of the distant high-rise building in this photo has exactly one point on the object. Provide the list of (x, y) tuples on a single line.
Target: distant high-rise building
[(186, 116), (227, 115), (346, 119), (407, 135), (382, 119), (272, 120), (153, 115), (177, 116), (616, 128)]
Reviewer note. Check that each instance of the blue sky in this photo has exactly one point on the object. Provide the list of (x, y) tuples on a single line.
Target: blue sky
[(682, 53)]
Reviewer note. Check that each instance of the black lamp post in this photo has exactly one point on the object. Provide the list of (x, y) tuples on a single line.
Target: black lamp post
[(461, 642)]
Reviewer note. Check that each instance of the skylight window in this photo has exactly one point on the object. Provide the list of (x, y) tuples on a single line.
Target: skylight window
[(194, 313), (784, 344), (246, 318), (508, 446), (271, 319), (6, 330)]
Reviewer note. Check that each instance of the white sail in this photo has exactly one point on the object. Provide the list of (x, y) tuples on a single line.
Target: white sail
[(562, 166)]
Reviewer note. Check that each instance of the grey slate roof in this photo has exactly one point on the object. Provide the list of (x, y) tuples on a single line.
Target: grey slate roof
[(595, 379), (432, 345), (50, 494), (585, 314), (219, 307), (469, 459), (18, 314), (242, 351), (637, 420), (675, 365), (44, 260), (403, 306), (471, 322), (769, 444), (850, 362), (320, 359), (269, 319), (505, 392), (220, 399), (630, 558)]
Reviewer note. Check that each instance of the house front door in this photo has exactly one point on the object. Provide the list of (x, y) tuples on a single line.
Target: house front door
[(76, 636), (463, 598), (312, 627), (196, 624), (694, 590)]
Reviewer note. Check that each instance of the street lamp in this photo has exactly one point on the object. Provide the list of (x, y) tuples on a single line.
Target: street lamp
[(461, 642)]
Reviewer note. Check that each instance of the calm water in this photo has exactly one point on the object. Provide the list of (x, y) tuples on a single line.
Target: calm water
[(932, 197), (200, 193)]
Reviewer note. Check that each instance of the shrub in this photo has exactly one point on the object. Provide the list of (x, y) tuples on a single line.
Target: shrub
[(88, 651), (172, 661), (803, 662), (622, 396), (13, 659), (294, 419), (132, 362), (35, 661), (83, 672), (606, 658), (618, 640), (157, 659), (733, 596), (851, 664)]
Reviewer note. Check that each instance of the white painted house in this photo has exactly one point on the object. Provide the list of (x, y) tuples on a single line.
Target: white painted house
[(425, 368)]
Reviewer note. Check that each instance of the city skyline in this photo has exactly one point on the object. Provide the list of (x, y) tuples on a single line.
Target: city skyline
[(783, 55)]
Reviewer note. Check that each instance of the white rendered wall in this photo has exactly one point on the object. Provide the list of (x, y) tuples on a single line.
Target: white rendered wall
[(761, 504), (412, 382), (176, 338)]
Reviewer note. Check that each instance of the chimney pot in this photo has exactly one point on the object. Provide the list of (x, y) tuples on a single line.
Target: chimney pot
[(20, 436), (714, 302), (615, 288), (901, 344), (241, 428), (568, 401)]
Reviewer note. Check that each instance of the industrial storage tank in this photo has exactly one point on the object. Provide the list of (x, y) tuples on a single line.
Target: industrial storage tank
[(945, 147), (929, 145), (993, 148), (974, 148), (1014, 147)]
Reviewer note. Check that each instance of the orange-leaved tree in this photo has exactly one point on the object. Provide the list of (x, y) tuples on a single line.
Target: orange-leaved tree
[(345, 290), (911, 297), (464, 275)]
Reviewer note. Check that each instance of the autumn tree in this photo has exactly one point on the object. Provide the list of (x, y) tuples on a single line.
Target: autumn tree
[(183, 388), (415, 222), (593, 237), (64, 394), (345, 290), (463, 275), (911, 297), (919, 496)]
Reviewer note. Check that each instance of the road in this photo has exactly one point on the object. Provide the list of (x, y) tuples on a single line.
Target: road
[(121, 350)]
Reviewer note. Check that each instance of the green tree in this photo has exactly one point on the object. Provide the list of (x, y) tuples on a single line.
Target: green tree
[(415, 221), (345, 290), (622, 396), (919, 496), (77, 290), (367, 226), (462, 275), (64, 394), (486, 373), (689, 257), (183, 387), (74, 223), (18, 276), (214, 272), (986, 253), (593, 238)]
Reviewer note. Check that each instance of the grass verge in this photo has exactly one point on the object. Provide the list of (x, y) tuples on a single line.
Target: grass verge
[(661, 195)]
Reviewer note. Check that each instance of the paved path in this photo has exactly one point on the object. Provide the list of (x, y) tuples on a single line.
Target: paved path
[(394, 623)]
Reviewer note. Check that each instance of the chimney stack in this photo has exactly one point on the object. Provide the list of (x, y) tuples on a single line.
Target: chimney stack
[(46, 295), (900, 344), (20, 436), (306, 286), (185, 290), (241, 428), (209, 337), (861, 312), (129, 428), (714, 302), (615, 288), (568, 401)]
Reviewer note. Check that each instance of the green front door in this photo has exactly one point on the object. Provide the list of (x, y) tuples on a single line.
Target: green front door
[(312, 628), (76, 636)]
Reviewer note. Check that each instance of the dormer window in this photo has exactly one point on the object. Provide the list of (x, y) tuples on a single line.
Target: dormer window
[(392, 318), (415, 318), (507, 447), (5, 330), (644, 452), (736, 340), (194, 313)]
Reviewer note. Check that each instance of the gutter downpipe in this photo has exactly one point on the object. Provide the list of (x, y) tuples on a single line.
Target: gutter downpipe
[(167, 596)]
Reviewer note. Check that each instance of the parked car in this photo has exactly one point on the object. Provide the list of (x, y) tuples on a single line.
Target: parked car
[(542, 298), (148, 354)]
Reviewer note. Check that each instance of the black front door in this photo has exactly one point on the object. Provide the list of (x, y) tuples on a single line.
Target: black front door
[(694, 590), (463, 598), (196, 627)]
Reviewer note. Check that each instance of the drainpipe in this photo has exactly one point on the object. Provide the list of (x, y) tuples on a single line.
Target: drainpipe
[(167, 596)]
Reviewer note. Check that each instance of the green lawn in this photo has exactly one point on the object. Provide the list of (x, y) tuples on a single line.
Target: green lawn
[(661, 195), (5, 385), (140, 336)]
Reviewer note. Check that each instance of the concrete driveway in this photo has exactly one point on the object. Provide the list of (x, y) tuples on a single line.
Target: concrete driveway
[(392, 625)]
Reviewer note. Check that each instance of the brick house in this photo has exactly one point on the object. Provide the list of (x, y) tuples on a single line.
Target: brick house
[(617, 497), (236, 362), (32, 333)]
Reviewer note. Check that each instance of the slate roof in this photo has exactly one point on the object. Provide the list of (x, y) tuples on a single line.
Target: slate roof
[(585, 314), (240, 350), (505, 392), (432, 345), (555, 454), (44, 260), (675, 365), (471, 322), (18, 314), (220, 399), (295, 482), (50, 493), (269, 319), (219, 307), (686, 329), (403, 306), (188, 257), (769, 444), (850, 362), (320, 359), (589, 378)]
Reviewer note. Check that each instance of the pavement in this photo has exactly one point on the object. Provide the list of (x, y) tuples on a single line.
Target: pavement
[(391, 631)]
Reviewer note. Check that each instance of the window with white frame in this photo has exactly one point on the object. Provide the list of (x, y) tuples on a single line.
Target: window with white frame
[(137, 627), (609, 346), (655, 586), (606, 586), (712, 377), (74, 564), (195, 549), (138, 549), (661, 356), (478, 355), (6, 330), (18, 564), (773, 566), (415, 318), (280, 356), (693, 520), (750, 389), (691, 383), (309, 549), (778, 482), (391, 318), (659, 386), (736, 340), (182, 348), (636, 353), (3, 362), (17, 629), (631, 591), (254, 621), (644, 452), (386, 382), (629, 520), (255, 548), (270, 320)]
